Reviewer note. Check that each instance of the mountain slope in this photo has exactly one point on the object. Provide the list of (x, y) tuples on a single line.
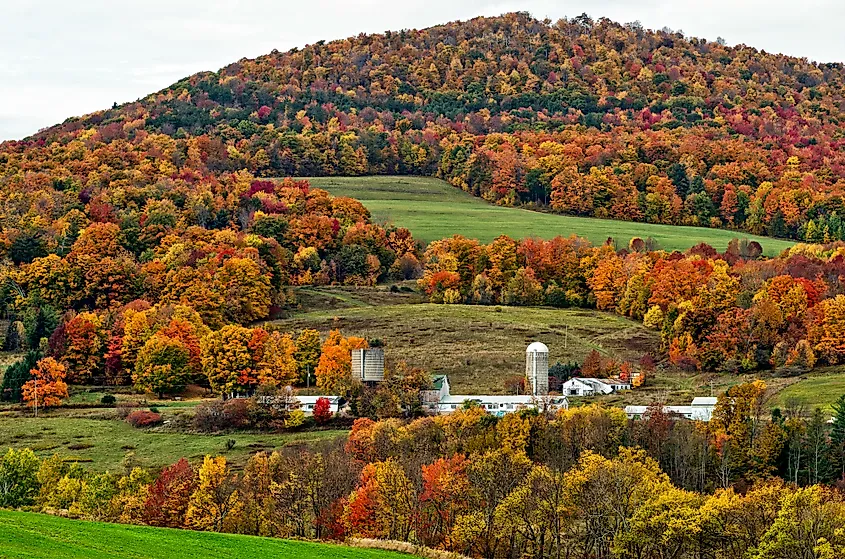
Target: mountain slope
[(590, 117)]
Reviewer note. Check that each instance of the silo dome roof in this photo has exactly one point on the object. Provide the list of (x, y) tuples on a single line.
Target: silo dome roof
[(537, 347)]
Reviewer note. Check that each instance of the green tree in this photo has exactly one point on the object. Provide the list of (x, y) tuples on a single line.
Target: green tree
[(18, 478), (837, 439), (307, 355), (163, 366), (16, 376)]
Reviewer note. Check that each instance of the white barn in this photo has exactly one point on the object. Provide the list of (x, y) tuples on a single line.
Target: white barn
[(583, 386)]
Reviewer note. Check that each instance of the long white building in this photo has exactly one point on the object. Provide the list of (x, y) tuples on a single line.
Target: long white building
[(441, 401), (701, 409)]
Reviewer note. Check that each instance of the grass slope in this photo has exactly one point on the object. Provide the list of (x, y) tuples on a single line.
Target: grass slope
[(478, 347), (820, 388), (102, 444), (432, 209), (35, 536)]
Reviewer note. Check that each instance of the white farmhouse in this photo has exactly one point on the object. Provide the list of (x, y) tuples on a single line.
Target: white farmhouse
[(582, 386), (308, 403)]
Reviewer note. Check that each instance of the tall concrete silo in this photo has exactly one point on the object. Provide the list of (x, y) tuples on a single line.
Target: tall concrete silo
[(537, 368), (368, 364)]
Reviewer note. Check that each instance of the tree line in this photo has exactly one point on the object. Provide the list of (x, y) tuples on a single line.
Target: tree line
[(584, 483), (726, 312)]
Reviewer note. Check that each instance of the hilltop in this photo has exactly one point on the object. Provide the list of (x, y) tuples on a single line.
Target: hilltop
[(585, 117)]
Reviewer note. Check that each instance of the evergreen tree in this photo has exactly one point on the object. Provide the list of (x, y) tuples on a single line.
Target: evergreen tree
[(678, 173), (39, 320), (16, 376), (837, 440)]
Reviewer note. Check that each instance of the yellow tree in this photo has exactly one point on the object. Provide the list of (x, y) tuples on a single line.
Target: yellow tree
[(215, 498), (276, 360)]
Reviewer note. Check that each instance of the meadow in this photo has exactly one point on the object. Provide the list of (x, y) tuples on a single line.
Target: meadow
[(111, 444), (819, 388), (432, 209), (26, 535), (478, 347)]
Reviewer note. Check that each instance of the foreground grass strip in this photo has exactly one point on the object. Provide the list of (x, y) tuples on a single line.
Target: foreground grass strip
[(29, 536), (432, 209)]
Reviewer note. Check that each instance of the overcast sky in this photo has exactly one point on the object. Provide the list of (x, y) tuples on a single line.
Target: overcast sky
[(61, 58)]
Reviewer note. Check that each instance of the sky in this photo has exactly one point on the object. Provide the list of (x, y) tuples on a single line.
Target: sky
[(60, 59)]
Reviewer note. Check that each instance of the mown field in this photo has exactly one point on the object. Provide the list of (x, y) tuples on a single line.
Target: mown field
[(35, 536), (478, 347), (819, 388), (432, 209), (107, 444)]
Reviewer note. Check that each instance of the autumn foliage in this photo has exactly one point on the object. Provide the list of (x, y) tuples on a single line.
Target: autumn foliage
[(47, 387)]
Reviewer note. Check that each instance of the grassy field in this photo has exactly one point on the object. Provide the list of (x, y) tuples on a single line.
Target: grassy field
[(34, 536), (478, 347), (821, 388), (102, 444), (432, 209)]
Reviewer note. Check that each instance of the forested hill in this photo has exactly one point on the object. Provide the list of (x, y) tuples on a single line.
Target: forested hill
[(586, 117)]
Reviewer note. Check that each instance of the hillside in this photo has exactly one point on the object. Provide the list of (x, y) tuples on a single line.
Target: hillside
[(587, 117), (433, 210), (28, 535)]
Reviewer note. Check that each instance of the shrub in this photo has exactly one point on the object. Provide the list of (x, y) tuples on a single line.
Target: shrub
[(322, 411), (209, 417), (236, 413), (108, 400), (125, 408), (143, 418), (295, 419), (219, 416)]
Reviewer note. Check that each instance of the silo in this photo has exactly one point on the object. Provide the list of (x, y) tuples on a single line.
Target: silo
[(537, 368), (368, 364)]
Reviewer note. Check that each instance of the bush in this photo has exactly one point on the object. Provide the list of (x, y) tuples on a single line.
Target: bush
[(108, 400), (236, 413), (125, 408), (143, 418), (295, 419), (323, 411), (219, 416), (209, 417)]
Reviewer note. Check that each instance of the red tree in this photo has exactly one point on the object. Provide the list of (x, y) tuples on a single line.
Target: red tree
[(168, 496), (322, 411)]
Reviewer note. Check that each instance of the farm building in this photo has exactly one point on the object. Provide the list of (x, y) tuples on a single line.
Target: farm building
[(501, 405), (368, 364), (701, 409), (537, 368), (582, 386), (307, 403), (440, 400)]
